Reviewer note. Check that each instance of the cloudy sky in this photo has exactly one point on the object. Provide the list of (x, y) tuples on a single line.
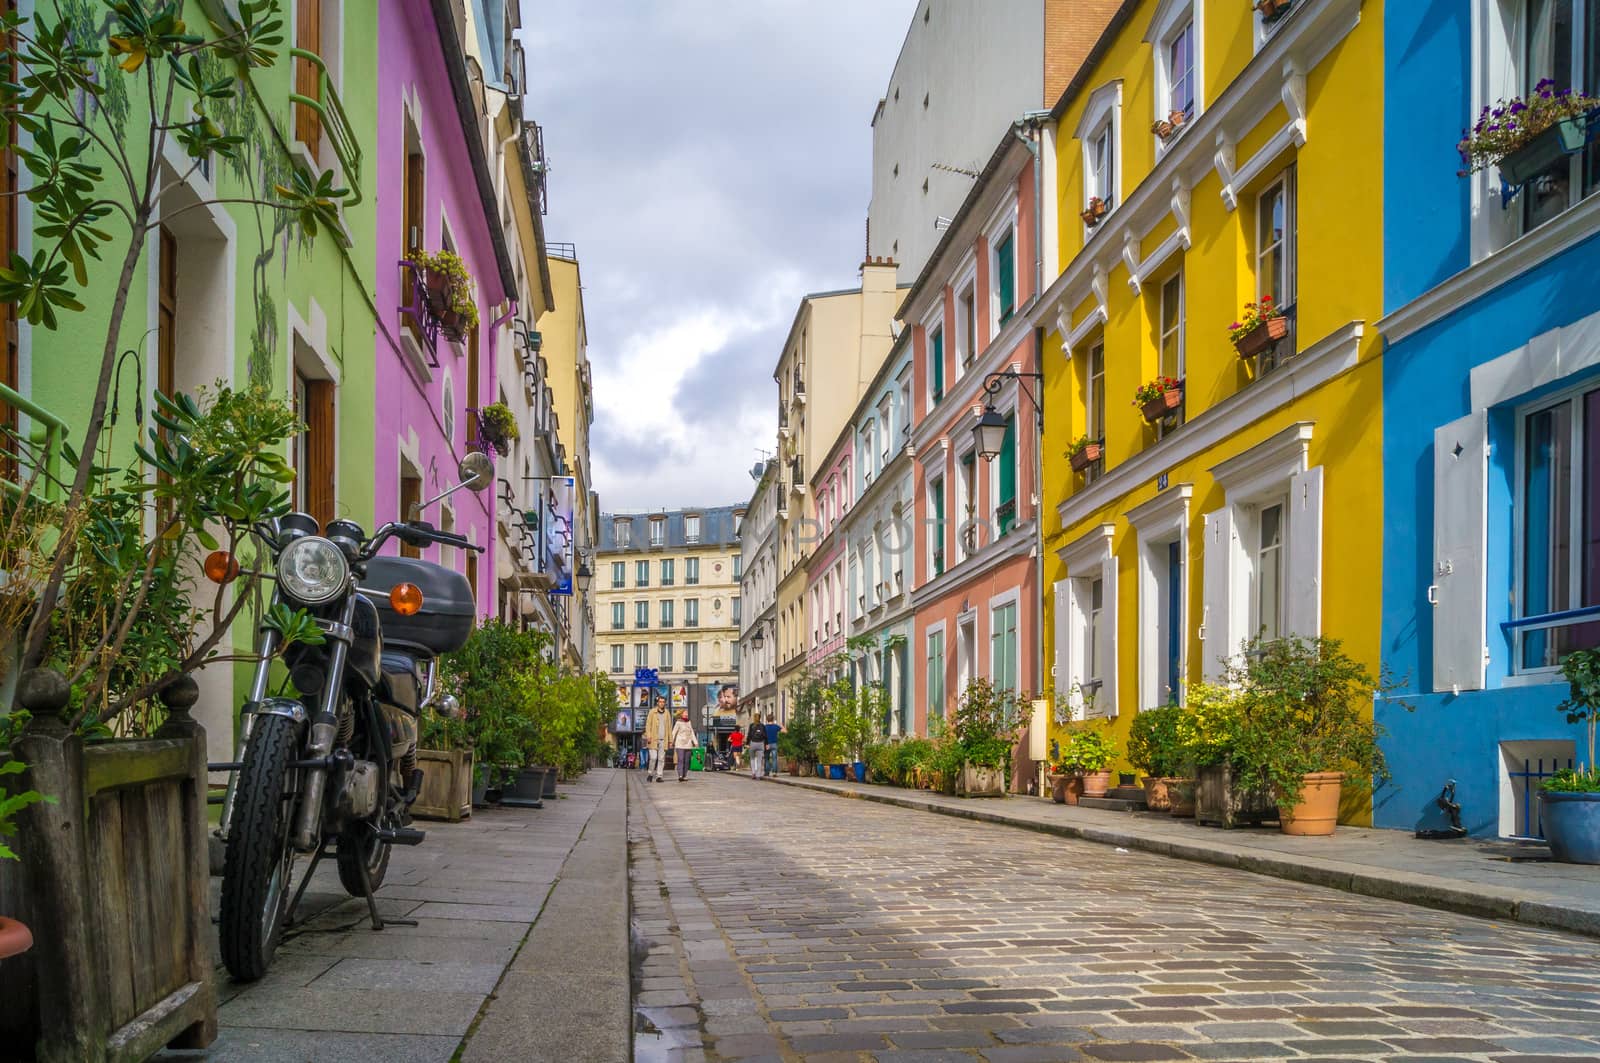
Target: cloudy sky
[(711, 161)]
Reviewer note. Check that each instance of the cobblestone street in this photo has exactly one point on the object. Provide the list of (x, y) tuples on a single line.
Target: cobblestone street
[(776, 923)]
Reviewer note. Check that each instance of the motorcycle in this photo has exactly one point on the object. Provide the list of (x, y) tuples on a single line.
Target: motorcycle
[(337, 763)]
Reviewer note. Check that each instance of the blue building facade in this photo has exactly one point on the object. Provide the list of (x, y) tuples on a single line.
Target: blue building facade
[(1491, 415)]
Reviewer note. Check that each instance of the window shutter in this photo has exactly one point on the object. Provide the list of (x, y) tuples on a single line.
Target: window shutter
[(320, 430), (1460, 480), (1008, 462), (1063, 631), (1303, 609), (1216, 623), (1006, 260), (938, 365), (1106, 701)]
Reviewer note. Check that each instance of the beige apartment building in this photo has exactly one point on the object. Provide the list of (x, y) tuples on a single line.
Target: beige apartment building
[(666, 588)]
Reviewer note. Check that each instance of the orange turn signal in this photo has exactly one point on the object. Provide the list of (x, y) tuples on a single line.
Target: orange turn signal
[(406, 598), (221, 567)]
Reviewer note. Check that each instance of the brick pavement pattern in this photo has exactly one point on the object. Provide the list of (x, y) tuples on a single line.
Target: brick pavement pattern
[(774, 923)]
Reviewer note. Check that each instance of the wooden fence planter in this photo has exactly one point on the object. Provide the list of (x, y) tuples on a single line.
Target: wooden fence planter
[(1220, 802), (446, 785), (112, 881)]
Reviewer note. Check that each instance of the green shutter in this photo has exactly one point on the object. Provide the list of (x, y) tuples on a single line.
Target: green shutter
[(938, 365), (938, 529), (1008, 475), (1005, 253)]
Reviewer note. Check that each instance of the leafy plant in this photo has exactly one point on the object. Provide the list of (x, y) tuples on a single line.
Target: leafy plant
[(1255, 315), (1507, 125), (881, 764), (449, 285), (909, 754), (1153, 744), (11, 804), (1151, 390), (985, 724), (1208, 724), (1582, 705), (498, 425), (1088, 749)]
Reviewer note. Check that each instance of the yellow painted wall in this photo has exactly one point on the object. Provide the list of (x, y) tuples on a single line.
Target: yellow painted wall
[(1340, 280)]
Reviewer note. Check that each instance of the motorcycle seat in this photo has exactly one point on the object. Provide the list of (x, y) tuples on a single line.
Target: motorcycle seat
[(400, 684)]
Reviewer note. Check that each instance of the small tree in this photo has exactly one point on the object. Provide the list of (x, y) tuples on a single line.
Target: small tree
[(1582, 705), (985, 724)]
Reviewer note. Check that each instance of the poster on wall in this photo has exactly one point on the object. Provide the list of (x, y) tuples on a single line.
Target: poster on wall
[(622, 694), (680, 697), (623, 723), (556, 553)]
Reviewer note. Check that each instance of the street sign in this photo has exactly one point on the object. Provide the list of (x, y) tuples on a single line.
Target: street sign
[(644, 677)]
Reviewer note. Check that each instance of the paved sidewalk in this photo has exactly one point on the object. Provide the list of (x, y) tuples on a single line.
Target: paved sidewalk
[(1496, 880), (487, 960)]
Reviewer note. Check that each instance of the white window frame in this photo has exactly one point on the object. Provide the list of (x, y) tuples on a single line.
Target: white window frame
[(1168, 21), (1102, 113), (622, 532), (1004, 218), (963, 503), (1088, 559), (641, 655), (691, 528), (936, 529), (886, 435), (691, 656), (658, 533), (619, 616), (664, 652), (966, 284), (691, 612), (1285, 180), (619, 574), (1158, 523), (691, 572), (1181, 325), (1007, 599)]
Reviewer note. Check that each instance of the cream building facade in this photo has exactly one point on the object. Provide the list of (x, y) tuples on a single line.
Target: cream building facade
[(758, 591)]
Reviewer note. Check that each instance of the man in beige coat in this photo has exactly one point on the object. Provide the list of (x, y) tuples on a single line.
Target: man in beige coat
[(657, 727)]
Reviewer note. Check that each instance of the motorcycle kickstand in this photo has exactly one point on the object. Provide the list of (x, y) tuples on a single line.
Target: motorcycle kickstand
[(294, 903), (378, 921)]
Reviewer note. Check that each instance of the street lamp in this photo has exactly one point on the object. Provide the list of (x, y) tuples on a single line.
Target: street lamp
[(757, 639), (990, 432), (585, 577)]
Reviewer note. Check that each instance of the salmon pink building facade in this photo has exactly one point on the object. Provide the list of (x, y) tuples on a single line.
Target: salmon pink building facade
[(976, 596)]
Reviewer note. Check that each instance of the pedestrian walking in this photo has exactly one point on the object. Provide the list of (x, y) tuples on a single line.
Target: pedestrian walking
[(683, 740), (756, 739), (735, 746), (773, 730), (657, 729)]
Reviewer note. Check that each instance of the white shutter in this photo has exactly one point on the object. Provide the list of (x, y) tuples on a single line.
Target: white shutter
[(1303, 609), (1063, 655), (1106, 702), (1460, 480), (1216, 617)]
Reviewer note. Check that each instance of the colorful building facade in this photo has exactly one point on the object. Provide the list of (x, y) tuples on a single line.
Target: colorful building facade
[(1491, 395), (1205, 159)]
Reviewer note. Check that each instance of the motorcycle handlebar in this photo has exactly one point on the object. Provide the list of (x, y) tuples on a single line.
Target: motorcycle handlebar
[(417, 534)]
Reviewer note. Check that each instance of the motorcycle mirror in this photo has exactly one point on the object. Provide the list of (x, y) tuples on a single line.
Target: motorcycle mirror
[(448, 707), (476, 471)]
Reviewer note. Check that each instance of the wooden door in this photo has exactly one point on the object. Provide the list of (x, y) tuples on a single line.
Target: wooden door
[(410, 496), (319, 451), (307, 78)]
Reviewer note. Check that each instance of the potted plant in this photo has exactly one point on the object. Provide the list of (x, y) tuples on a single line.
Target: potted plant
[(1096, 209), (497, 427), (447, 288), (1167, 127), (1524, 137), (983, 729), (1208, 731), (1569, 803), (1088, 753), (1153, 747), (445, 755), (1159, 398), (1260, 326), (1272, 10), (1084, 452), (1306, 730)]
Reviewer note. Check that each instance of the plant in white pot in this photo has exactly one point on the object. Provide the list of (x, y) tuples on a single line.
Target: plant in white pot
[(984, 728)]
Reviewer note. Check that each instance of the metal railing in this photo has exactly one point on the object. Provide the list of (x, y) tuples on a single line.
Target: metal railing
[(46, 438), (334, 122), (420, 316)]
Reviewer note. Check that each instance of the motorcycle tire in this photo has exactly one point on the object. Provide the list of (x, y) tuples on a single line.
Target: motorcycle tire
[(358, 844), (258, 867)]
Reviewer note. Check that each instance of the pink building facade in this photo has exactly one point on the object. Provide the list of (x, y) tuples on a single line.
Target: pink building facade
[(433, 197), (826, 589)]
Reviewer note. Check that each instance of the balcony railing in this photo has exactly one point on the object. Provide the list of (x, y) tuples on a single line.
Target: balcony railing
[(419, 316), (335, 124), (1005, 515), (45, 441)]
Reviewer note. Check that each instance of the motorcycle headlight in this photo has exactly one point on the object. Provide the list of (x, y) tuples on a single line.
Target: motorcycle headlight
[(312, 570)]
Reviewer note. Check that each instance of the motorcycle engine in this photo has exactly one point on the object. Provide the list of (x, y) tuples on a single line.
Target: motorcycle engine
[(358, 797)]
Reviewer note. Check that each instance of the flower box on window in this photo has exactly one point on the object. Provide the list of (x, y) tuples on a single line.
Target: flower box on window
[(1168, 127), (1096, 210), (1564, 138), (446, 290), (1523, 138), (1272, 10), (1084, 453), (1159, 399), (1260, 327)]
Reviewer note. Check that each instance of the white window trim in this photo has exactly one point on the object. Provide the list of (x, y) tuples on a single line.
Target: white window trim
[(1497, 39), (1159, 522), (1005, 404), (1164, 25), (1291, 225), (1103, 110), (1005, 217), (1089, 557), (934, 321), (1183, 318), (966, 277), (999, 601)]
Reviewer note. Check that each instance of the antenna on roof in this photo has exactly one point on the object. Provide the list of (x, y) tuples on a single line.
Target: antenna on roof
[(974, 174)]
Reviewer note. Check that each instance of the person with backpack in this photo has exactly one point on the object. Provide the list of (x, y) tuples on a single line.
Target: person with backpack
[(756, 741), (772, 728)]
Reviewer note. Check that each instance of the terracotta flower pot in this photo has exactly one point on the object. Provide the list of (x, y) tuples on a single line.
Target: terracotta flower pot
[(14, 938), (1261, 337), (1086, 457), (1058, 788), (1181, 793), (1317, 813), (1158, 793), (1092, 214), (1162, 405), (1096, 783), (1071, 788)]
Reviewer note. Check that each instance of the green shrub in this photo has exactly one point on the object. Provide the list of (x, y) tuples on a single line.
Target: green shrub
[(1087, 749), (985, 724), (909, 755), (1582, 705), (1153, 745)]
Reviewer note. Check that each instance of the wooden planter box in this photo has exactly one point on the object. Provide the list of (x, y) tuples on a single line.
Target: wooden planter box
[(975, 781), (446, 785), (112, 881), (1085, 457), (1218, 802), (1264, 335), (1564, 138)]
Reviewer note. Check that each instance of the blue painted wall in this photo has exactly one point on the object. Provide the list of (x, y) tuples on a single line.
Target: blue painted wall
[(1434, 737)]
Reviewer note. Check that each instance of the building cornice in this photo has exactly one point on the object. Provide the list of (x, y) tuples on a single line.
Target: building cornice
[(1019, 542)]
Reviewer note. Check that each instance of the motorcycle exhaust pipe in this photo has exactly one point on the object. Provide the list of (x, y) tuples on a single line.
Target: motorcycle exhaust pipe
[(324, 729)]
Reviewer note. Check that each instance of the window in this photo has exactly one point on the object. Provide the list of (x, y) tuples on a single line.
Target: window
[(1005, 273), (666, 613), (691, 571), (658, 533), (664, 660), (885, 432), (966, 328), (307, 79), (410, 499), (413, 219), (1551, 50), (691, 656), (641, 614), (1003, 660), (1005, 508), (619, 619), (622, 531), (1086, 626), (618, 657), (967, 499), (738, 567), (619, 573), (1098, 131), (691, 528), (1171, 352), (735, 608), (641, 655), (1094, 403), (691, 612), (1179, 54), (936, 367), (936, 526), (1102, 167), (1560, 527), (1266, 573), (1275, 264), (936, 666), (641, 573), (667, 565)]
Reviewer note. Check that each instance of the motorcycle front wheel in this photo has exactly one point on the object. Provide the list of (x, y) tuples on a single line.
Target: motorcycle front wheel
[(259, 862)]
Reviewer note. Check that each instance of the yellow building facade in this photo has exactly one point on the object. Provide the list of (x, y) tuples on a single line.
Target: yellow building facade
[(1205, 158)]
